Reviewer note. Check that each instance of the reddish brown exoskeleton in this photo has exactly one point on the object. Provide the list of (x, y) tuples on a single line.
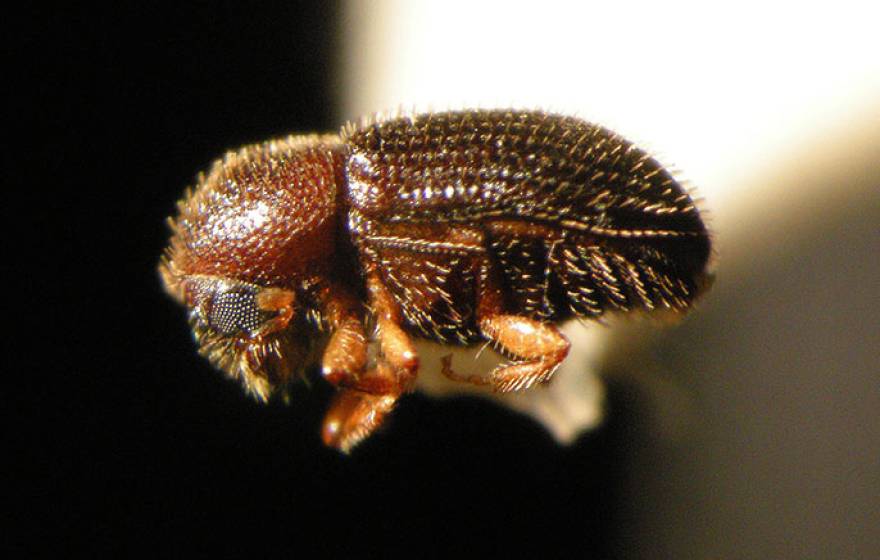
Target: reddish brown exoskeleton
[(459, 227)]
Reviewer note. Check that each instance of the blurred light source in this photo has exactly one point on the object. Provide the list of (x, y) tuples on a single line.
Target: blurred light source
[(724, 93), (720, 88), (772, 110)]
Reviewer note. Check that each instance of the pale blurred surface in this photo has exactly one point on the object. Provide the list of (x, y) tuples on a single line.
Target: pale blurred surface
[(762, 435)]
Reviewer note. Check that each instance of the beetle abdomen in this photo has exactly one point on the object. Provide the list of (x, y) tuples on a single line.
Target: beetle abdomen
[(576, 219)]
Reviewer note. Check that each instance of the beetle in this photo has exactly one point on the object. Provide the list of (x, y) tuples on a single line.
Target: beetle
[(460, 227)]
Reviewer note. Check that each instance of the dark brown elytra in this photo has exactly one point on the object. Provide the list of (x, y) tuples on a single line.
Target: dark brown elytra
[(458, 227)]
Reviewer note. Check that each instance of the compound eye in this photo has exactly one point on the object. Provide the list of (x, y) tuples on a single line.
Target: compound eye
[(235, 311)]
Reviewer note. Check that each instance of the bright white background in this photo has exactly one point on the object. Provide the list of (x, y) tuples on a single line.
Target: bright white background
[(766, 402)]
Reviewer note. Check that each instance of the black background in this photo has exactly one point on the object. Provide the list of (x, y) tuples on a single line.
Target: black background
[(125, 440)]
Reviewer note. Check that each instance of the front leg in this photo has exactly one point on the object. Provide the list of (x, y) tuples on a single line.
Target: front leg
[(367, 395)]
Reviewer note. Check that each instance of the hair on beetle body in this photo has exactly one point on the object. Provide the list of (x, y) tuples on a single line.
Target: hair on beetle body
[(459, 227)]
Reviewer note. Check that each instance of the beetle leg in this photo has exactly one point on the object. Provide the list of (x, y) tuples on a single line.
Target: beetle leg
[(354, 412), (397, 350), (366, 396), (353, 416), (345, 356), (539, 347), (278, 301)]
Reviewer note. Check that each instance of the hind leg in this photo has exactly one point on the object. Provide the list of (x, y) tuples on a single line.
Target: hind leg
[(537, 348)]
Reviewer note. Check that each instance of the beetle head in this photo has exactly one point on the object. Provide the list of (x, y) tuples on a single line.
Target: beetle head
[(257, 231)]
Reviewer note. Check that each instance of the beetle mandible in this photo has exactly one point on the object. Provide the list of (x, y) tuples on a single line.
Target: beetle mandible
[(460, 227)]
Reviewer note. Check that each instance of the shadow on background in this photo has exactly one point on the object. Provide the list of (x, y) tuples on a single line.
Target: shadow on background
[(763, 439)]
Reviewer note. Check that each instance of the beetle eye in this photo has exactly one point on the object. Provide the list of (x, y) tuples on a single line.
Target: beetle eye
[(235, 311), (242, 329)]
